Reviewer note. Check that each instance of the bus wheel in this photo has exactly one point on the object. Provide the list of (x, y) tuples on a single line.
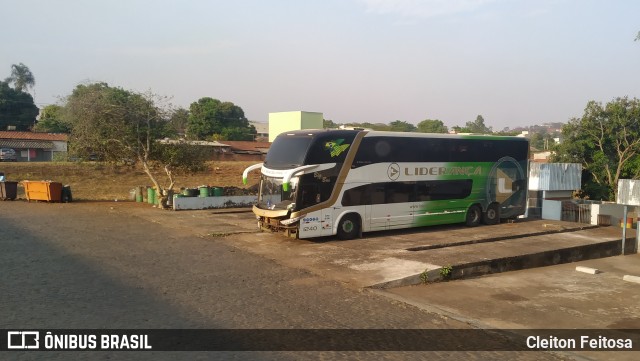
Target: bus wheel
[(492, 216), (348, 227), (474, 215)]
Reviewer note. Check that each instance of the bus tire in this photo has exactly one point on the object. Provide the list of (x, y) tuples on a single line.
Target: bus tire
[(474, 216), (492, 215), (348, 227)]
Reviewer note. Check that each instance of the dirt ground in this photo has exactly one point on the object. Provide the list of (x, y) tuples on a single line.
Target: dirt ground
[(101, 181)]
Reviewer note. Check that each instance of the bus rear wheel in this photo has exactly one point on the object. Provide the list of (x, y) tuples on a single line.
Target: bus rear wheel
[(492, 215), (348, 227), (474, 215)]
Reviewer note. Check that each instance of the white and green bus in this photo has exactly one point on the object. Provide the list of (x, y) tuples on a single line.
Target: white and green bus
[(344, 182)]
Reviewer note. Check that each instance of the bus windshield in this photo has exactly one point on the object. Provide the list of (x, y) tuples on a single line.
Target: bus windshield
[(287, 152), (272, 196)]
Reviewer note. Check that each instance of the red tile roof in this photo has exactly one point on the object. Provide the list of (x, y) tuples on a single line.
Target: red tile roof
[(4, 134)]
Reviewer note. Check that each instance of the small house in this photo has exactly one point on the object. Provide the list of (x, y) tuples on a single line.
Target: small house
[(34, 147)]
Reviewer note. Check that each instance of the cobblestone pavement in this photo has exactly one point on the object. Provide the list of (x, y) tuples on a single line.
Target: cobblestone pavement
[(93, 265)]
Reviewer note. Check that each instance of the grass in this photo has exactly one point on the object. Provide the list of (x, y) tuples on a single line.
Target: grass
[(102, 181)]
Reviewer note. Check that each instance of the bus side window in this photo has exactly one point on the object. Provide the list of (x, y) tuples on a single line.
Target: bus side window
[(423, 192), (377, 194)]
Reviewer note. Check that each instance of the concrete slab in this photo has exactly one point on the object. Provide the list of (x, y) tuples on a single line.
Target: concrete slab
[(553, 297), (397, 258)]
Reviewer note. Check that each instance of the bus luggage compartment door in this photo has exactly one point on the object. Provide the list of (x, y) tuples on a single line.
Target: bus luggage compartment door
[(390, 209)]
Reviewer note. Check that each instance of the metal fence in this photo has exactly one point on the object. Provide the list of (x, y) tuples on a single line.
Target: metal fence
[(576, 211)]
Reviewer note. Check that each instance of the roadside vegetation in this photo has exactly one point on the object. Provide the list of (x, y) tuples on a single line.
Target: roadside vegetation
[(120, 126), (106, 181)]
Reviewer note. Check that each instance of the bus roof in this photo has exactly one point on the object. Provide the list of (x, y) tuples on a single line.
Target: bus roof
[(377, 133)]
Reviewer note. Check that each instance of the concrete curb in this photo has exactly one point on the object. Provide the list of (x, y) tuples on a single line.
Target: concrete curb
[(498, 265), (432, 275), (501, 238)]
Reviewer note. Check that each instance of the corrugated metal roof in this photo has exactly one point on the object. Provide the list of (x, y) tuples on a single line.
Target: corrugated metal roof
[(555, 176), (26, 144), (6, 134)]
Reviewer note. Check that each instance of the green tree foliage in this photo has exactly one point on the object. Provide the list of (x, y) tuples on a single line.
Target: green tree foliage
[(432, 126), (372, 126), (52, 120), (21, 78), (541, 141), (507, 132), (210, 117), (401, 126), (606, 141), (478, 126), (16, 108), (177, 124), (329, 124), (121, 125)]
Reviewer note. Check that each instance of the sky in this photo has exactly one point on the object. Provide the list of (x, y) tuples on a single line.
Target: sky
[(515, 62)]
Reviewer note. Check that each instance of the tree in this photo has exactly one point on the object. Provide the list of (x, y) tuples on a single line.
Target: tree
[(401, 126), (432, 126), (606, 141), (177, 124), (16, 108), (21, 77), (237, 133), (121, 125), (508, 132), (329, 124), (52, 120), (459, 129), (208, 117), (372, 126), (541, 140), (478, 126)]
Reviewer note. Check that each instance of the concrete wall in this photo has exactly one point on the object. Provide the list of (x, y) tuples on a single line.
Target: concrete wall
[(613, 210), (552, 210), (286, 121), (59, 146), (213, 202)]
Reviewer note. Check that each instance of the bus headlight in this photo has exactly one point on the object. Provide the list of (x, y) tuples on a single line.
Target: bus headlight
[(289, 221)]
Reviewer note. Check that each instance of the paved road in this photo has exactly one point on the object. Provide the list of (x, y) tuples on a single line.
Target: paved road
[(100, 265)]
